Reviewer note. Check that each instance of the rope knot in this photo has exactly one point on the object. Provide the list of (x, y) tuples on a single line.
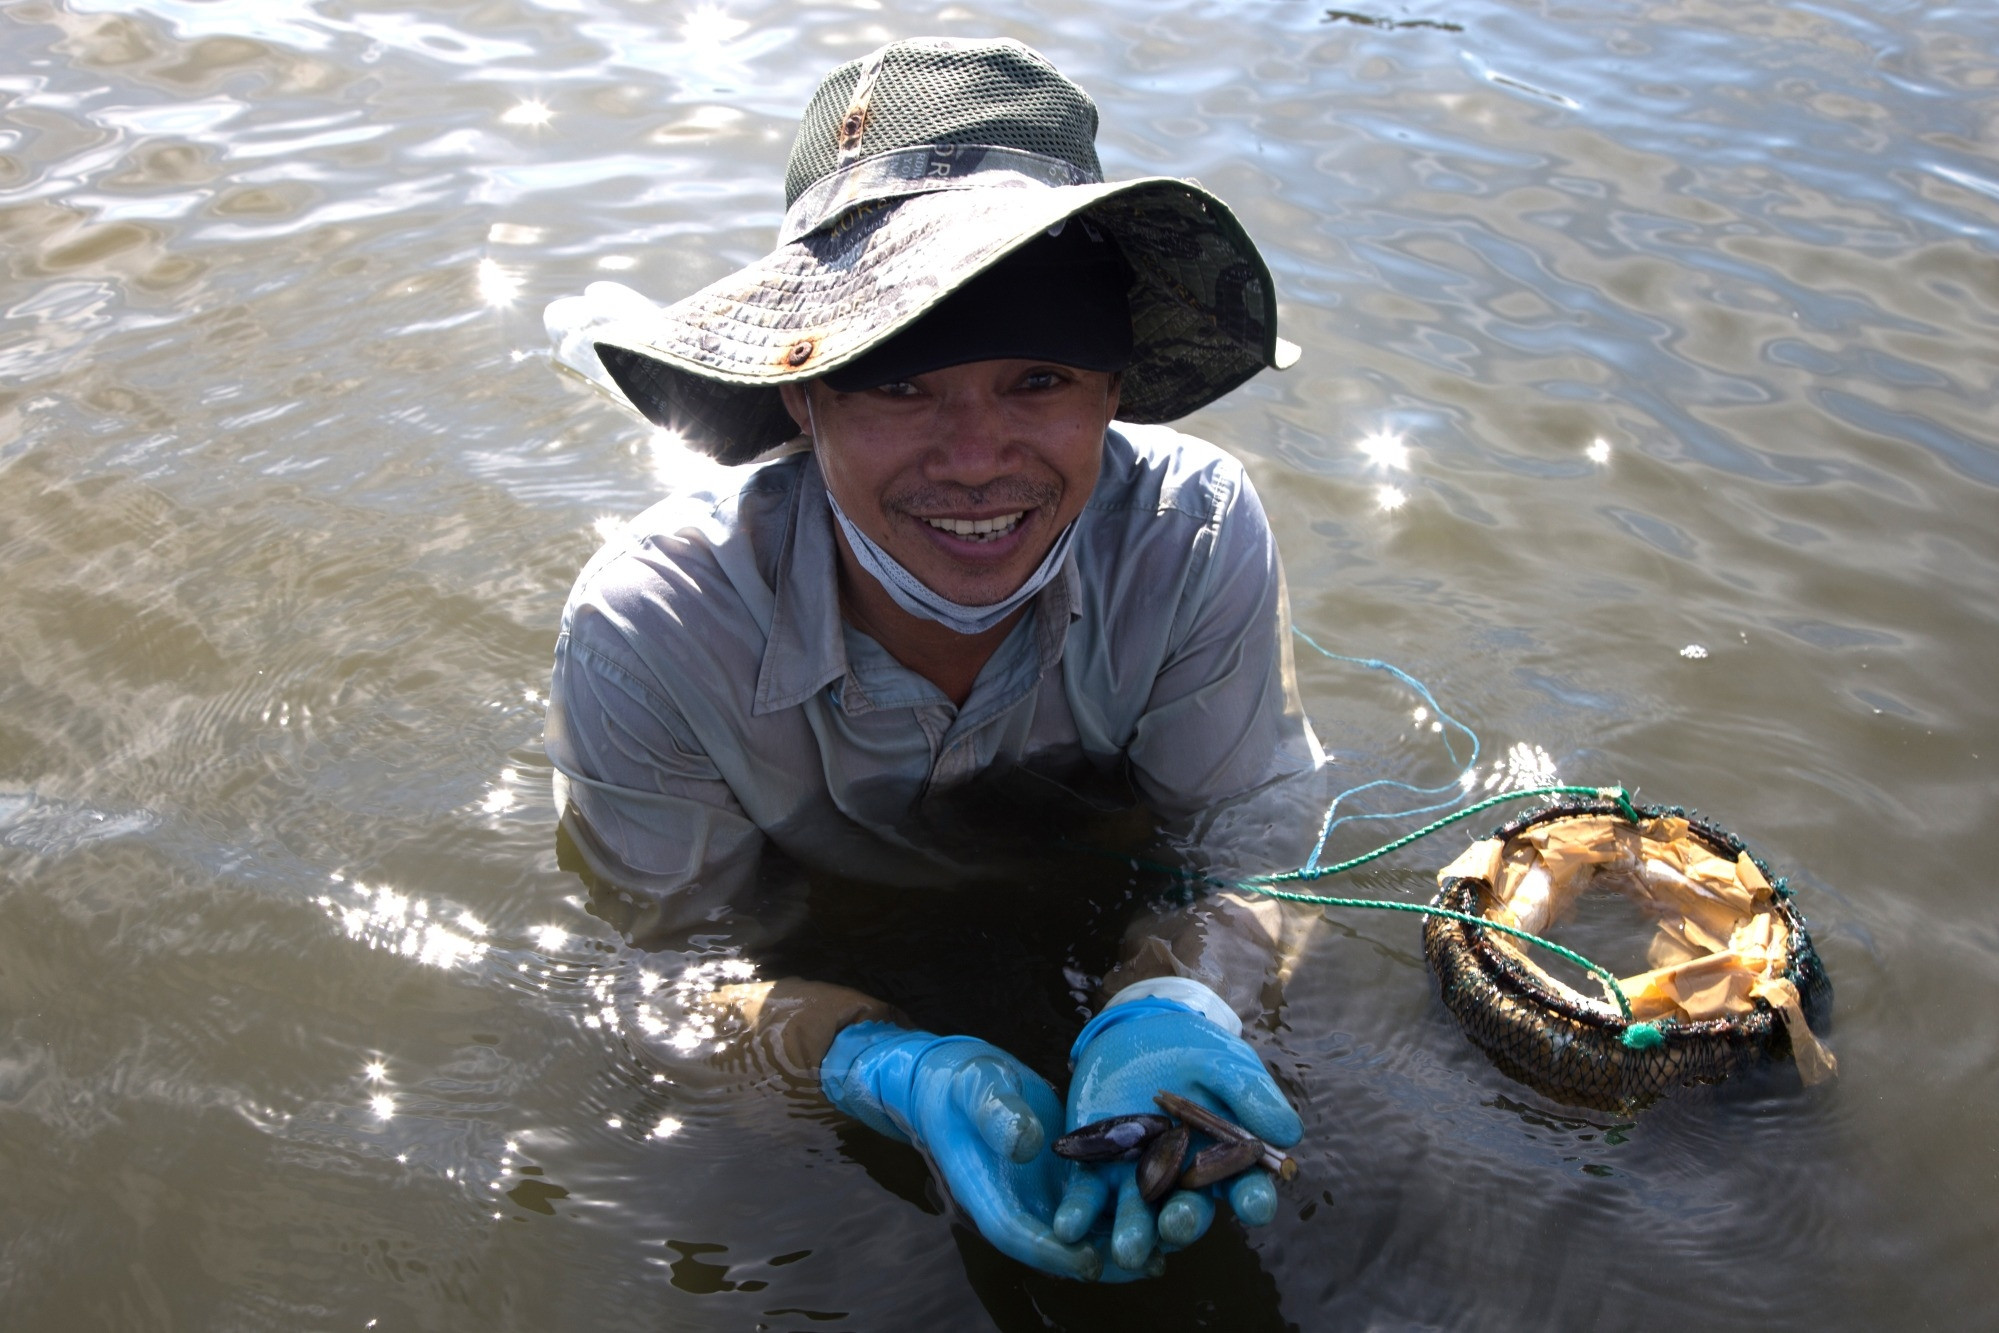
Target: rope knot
[(1642, 1036), (1623, 799)]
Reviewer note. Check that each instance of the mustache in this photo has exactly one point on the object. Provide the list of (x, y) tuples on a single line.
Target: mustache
[(1009, 493)]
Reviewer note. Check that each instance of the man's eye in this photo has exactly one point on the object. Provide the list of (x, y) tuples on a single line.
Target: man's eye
[(896, 389), (1040, 379)]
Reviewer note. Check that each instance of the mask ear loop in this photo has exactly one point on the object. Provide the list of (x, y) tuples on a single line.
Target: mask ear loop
[(812, 434)]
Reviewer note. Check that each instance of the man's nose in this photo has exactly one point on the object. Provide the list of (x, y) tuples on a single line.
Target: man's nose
[(971, 446)]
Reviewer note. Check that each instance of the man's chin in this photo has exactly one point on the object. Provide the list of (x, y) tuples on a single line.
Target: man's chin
[(972, 592), (969, 573), (970, 583)]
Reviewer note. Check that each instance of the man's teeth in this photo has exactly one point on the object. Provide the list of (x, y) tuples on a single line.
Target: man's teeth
[(978, 529)]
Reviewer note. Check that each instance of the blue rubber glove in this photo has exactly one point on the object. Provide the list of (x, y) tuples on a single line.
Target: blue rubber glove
[(1179, 1038), (980, 1116)]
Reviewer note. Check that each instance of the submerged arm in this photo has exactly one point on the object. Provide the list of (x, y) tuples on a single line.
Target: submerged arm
[(1223, 719), (1240, 947), (674, 863)]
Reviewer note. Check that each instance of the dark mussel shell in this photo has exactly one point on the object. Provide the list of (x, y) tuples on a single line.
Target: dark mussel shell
[(1220, 1161), (1118, 1139), (1160, 1167), (1226, 1131)]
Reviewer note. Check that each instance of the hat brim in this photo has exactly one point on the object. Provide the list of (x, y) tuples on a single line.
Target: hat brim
[(1203, 308)]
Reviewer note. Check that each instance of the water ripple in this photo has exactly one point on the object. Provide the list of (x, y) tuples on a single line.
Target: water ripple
[(1677, 316)]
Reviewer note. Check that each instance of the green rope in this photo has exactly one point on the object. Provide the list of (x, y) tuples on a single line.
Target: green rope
[(1601, 793), (1637, 1036)]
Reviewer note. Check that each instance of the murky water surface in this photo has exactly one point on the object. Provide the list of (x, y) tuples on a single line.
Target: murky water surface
[(1683, 317)]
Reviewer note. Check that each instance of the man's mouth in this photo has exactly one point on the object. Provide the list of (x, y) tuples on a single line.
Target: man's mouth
[(979, 529)]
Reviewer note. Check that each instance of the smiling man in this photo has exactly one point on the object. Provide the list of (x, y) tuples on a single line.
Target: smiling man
[(967, 446), (945, 564)]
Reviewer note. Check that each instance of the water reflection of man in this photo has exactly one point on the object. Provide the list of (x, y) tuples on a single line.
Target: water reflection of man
[(959, 571)]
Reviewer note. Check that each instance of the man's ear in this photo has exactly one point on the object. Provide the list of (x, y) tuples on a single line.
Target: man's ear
[(794, 403), (1113, 392)]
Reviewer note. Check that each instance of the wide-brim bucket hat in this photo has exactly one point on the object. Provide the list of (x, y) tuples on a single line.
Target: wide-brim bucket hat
[(916, 169)]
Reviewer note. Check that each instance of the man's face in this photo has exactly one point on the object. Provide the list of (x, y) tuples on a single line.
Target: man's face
[(965, 475)]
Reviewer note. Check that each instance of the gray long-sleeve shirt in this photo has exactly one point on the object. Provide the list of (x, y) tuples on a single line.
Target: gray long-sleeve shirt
[(708, 695)]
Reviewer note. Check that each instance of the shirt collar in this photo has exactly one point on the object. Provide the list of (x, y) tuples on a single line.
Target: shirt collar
[(804, 651)]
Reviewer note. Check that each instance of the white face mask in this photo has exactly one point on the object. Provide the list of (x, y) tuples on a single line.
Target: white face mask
[(914, 597)]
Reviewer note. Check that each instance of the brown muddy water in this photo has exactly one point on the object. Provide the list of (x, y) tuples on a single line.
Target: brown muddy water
[(1683, 317)]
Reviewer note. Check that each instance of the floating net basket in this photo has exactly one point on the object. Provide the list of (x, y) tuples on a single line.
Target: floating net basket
[(1734, 980)]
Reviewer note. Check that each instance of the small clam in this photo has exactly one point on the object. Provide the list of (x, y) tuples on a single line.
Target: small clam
[(1160, 1166), (1118, 1139)]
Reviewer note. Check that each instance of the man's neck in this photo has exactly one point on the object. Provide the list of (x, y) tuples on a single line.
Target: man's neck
[(947, 659)]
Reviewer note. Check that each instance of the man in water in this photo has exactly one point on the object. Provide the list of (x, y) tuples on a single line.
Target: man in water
[(945, 568)]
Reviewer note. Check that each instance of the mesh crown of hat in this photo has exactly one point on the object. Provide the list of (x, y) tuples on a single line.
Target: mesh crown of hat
[(935, 91)]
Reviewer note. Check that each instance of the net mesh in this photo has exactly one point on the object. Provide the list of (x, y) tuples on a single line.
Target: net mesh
[(1569, 1048), (933, 92)]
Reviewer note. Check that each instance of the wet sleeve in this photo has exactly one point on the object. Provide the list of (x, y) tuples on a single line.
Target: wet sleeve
[(1224, 716), (672, 860), (643, 804), (1242, 948)]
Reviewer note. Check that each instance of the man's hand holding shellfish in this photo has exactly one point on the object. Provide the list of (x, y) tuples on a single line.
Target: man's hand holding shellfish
[(1168, 1045)]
